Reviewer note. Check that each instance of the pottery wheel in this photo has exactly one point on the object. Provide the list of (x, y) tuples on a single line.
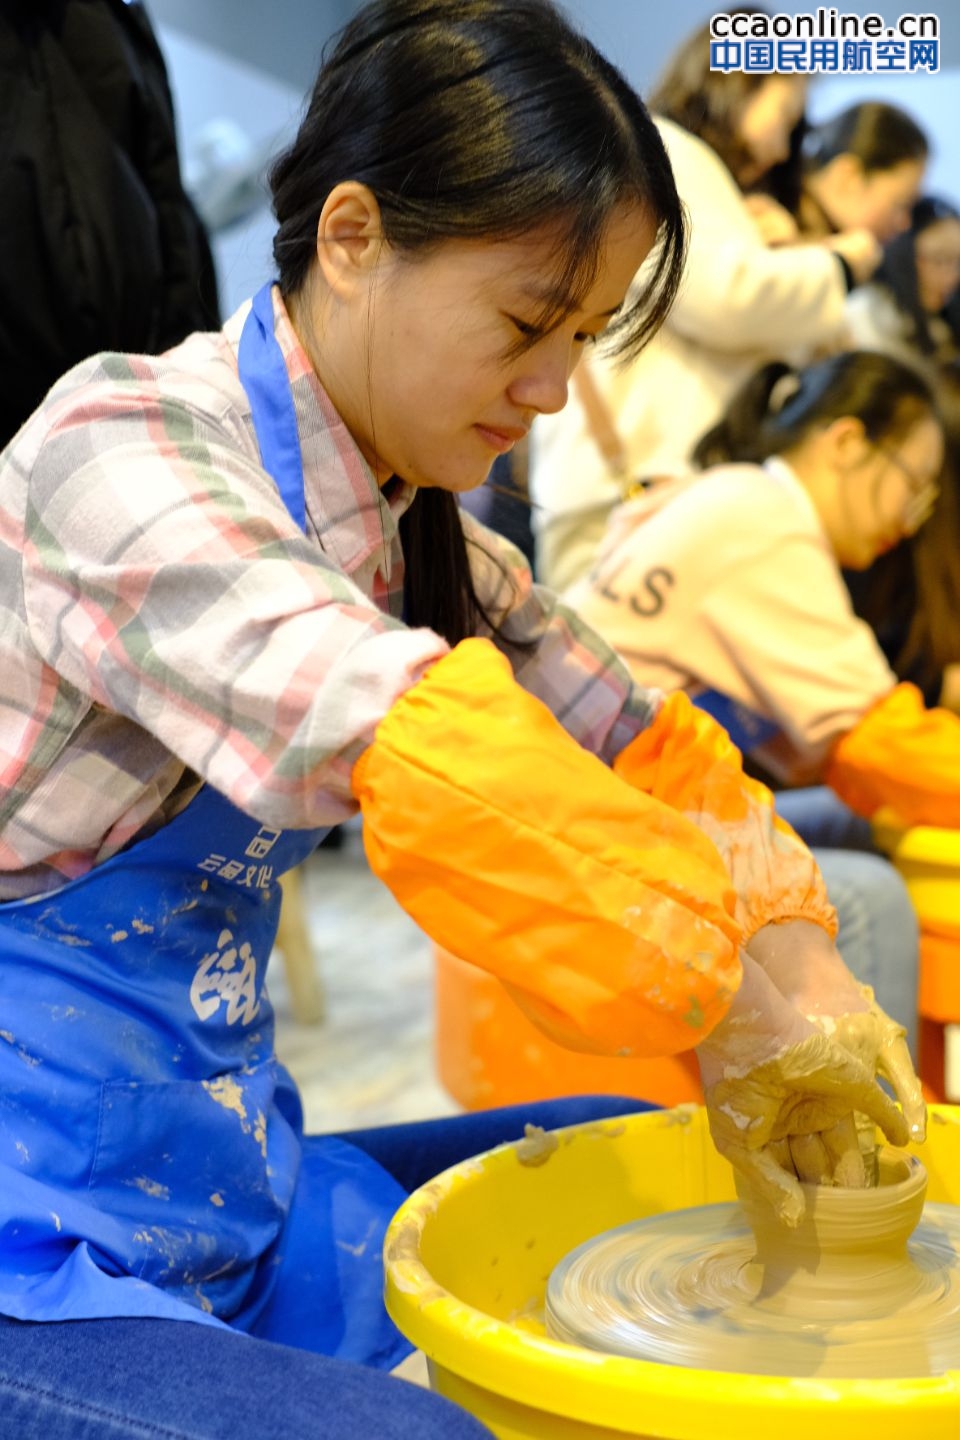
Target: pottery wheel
[(689, 1288)]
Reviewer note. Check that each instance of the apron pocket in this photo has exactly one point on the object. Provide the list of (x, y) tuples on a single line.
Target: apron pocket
[(199, 1176)]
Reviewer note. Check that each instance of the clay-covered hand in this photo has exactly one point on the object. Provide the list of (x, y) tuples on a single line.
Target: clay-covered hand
[(807, 969), (770, 1075)]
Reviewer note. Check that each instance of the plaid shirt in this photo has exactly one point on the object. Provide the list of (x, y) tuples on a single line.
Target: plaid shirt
[(163, 622)]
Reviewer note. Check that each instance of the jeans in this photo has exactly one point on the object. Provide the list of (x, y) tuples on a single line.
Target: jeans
[(147, 1379), (820, 818), (879, 936)]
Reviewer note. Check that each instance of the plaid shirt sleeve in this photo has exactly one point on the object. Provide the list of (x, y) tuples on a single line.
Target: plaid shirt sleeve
[(554, 654), (165, 581)]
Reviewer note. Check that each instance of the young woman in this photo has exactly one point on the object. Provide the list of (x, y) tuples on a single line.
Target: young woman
[(743, 302), (862, 169), (727, 584), (912, 306), (910, 597), (238, 604)]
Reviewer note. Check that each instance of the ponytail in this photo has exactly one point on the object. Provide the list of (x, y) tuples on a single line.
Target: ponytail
[(779, 407), (734, 437)]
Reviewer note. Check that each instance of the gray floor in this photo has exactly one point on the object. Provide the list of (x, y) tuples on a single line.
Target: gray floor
[(370, 1060)]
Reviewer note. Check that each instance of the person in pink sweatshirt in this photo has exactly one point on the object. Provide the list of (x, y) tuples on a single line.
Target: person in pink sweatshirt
[(726, 582)]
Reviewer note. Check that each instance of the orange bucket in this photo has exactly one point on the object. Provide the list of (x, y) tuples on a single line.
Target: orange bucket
[(939, 1036), (488, 1053), (929, 861)]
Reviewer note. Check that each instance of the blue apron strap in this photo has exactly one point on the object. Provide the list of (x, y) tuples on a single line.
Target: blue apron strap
[(263, 375), (745, 727)]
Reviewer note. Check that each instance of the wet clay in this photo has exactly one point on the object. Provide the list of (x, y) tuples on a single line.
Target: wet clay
[(866, 1286)]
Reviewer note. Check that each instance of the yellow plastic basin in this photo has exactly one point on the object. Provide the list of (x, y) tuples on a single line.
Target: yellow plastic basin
[(929, 861), (467, 1262)]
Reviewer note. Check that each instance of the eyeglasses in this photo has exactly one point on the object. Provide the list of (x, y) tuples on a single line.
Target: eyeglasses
[(921, 490)]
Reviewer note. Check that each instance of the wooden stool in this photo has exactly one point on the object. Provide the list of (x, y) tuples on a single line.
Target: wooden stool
[(293, 942)]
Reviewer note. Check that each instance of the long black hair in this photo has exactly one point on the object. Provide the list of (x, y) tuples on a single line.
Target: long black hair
[(911, 595), (778, 407), (880, 136), (470, 119), (898, 272)]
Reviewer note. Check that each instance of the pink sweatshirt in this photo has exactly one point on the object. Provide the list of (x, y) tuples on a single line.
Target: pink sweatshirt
[(725, 581)]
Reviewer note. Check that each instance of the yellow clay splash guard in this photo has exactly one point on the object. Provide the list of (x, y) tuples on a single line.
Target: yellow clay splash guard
[(468, 1257)]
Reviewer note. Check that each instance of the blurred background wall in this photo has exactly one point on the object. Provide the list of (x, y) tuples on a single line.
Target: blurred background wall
[(240, 73)]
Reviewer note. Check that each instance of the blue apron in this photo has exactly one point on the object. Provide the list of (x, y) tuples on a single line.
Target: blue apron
[(150, 1143), (746, 728)]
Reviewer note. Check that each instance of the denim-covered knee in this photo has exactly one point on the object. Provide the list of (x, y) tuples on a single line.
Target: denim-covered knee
[(879, 936)]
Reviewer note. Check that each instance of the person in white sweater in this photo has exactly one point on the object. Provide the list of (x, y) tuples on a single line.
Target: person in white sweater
[(741, 303)]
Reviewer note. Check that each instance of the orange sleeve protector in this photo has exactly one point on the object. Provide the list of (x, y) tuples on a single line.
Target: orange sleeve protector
[(904, 757), (689, 761), (607, 915)]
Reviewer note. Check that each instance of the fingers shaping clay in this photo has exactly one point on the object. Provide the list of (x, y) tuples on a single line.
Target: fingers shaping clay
[(867, 1285)]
